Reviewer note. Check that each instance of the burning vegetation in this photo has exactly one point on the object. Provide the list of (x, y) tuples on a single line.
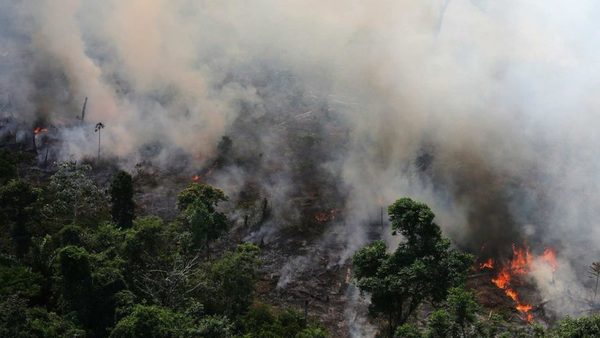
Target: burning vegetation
[(513, 274)]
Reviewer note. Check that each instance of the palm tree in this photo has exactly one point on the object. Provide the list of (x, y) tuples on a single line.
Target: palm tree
[(99, 127), (594, 272)]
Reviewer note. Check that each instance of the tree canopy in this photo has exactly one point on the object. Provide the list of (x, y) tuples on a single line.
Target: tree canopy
[(423, 267)]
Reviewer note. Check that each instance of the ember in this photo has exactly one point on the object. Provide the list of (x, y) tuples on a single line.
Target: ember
[(326, 216)]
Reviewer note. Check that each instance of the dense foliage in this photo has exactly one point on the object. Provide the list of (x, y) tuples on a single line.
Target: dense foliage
[(76, 262), (422, 268)]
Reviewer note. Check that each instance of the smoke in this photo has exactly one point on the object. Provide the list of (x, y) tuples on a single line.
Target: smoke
[(485, 110)]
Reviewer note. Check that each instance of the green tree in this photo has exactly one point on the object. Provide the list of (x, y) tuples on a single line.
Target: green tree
[(439, 324), (74, 198), (261, 321), (153, 322), (121, 197), (584, 327), (8, 166), (408, 331), (198, 206), (19, 321), (76, 281), (215, 327), (227, 285), (462, 307), (18, 210), (18, 280), (423, 267)]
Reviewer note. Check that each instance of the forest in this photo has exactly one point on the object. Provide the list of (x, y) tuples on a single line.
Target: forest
[(78, 260)]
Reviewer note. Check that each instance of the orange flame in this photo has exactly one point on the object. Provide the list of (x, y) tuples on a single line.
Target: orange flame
[(503, 279), (196, 178), (521, 262), (549, 256), (38, 130), (520, 265), (489, 264)]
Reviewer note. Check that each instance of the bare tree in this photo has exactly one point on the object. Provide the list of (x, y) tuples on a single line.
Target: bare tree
[(99, 127), (594, 272), (170, 286)]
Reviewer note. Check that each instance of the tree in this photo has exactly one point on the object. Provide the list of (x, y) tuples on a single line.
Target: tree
[(8, 166), (462, 307), (19, 321), (408, 331), (423, 267), (439, 324), (153, 322), (98, 129), (121, 197), (18, 208), (228, 283), (18, 280), (261, 321), (72, 197), (584, 327), (594, 272), (198, 206), (214, 326), (76, 281)]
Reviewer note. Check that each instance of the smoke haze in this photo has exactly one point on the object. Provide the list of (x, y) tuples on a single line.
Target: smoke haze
[(485, 110)]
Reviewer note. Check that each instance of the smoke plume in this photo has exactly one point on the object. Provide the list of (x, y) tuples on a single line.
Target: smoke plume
[(485, 110)]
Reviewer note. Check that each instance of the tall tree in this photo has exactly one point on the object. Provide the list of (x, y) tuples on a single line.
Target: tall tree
[(73, 197), (423, 267), (198, 206), (227, 285), (98, 129), (17, 209), (8, 166), (594, 272), (121, 197), (76, 281)]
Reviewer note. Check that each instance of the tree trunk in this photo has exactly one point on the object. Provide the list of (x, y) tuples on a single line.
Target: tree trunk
[(596, 290)]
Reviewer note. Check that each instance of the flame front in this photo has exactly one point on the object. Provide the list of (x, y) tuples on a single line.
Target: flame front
[(519, 266)]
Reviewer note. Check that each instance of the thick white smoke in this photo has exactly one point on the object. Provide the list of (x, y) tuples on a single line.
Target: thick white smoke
[(493, 100)]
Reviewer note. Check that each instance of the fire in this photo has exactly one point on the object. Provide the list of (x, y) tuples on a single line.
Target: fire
[(520, 265), (549, 256), (503, 279), (521, 262), (196, 178), (326, 216), (38, 130), (489, 264)]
